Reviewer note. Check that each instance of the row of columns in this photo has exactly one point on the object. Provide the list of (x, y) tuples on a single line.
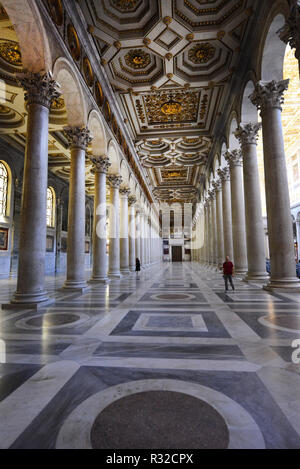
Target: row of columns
[(125, 237), (232, 210)]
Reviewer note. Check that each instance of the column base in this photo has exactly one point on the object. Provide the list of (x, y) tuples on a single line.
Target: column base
[(240, 272), (95, 280), (29, 301), (78, 287), (125, 271), (132, 269), (256, 277), (115, 275), (284, 285)]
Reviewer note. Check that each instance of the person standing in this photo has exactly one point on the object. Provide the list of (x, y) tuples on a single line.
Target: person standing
[(228, 271), (137, 267)]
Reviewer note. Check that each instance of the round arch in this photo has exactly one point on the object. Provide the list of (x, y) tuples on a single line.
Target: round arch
[(249, 112), (29, 27), (99, 142), (231, 128), (273, 51), (65, 74), (114, 159)]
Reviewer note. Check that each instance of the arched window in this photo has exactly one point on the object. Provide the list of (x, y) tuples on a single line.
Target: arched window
[(50, 207), (3, 189)]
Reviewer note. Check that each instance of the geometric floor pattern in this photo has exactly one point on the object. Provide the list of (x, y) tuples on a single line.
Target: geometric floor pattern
[(166, 360)]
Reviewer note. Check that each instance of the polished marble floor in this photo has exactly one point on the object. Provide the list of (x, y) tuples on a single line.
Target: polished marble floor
[(167, 360)]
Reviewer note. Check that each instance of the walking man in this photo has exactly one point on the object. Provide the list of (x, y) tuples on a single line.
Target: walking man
[(228, 273)]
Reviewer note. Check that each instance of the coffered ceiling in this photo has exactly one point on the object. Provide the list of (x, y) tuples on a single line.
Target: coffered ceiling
[(169, 63)]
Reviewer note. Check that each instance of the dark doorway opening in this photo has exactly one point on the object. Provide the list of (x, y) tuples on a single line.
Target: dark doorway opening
[(176, 253)]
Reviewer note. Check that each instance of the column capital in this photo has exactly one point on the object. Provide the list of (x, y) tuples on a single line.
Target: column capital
[(247, 133), (268, 95), (101, 164), (114, 180), (234, 158), (40, 88), (217, 185), (211, 195), (290, 33), (131, 200), (78, 137), (125, 192), (224, 174)]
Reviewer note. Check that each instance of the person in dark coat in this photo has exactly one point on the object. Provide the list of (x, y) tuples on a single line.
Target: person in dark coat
[(137, 266)]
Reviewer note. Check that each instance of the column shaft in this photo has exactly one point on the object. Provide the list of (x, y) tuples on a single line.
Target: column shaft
[(124, 242)]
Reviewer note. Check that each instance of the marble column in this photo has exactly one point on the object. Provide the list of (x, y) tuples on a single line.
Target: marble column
[(207, 251), (132, 234), (142, 241), (78, 139), (124, 241), (226, 208), (219, 223), (40, 90), (247, 135), (100, 168), (59, 218), (114, 226), (138, 234), (235, 161), (268, 97), (213, 224)]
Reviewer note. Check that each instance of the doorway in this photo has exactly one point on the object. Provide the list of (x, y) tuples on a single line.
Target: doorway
[(176, 253)]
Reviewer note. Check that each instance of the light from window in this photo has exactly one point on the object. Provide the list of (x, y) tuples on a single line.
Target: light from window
[(3, 189), (50, 207)]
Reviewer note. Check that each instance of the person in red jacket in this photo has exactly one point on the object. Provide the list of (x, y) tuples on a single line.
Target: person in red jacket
[(228, 271)]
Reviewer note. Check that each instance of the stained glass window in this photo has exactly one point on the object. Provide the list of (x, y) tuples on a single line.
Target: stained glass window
[(50, 207), (3, 189)]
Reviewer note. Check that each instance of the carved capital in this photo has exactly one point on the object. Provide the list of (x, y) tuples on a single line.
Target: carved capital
[(217, 185), (224, 174), (212, 195), (247, 133), (114, 181), (100, 165), (131, 200), (125, 192), (234, 158), (290, 33), (268, 95), (78, 137), (39, 88)]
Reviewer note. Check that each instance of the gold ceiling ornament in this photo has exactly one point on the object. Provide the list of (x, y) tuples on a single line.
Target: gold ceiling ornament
[(167, 20), (58, 104), (169, 56), (201, 53), (171, 108), (73, 42), (137, 59), (170, 76), (88, 71), (11, 53), (125, 5), (56, 11), (103, 62), (146, 41), (117, 45), (190, 37), (221, 34)]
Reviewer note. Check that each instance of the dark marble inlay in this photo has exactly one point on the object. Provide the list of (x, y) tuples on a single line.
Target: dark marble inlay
[(159, 419), (172, 297), (290, 322)]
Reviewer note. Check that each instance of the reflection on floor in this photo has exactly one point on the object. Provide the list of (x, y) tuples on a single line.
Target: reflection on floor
[(165, 361)]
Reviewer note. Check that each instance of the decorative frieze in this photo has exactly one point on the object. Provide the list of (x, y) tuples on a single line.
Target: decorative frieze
[(269, 95), (39, 88)]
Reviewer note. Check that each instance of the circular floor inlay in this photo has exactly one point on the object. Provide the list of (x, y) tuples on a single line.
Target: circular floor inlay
[(292, 322), (52, 320), (159, 419), (172, 297)]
